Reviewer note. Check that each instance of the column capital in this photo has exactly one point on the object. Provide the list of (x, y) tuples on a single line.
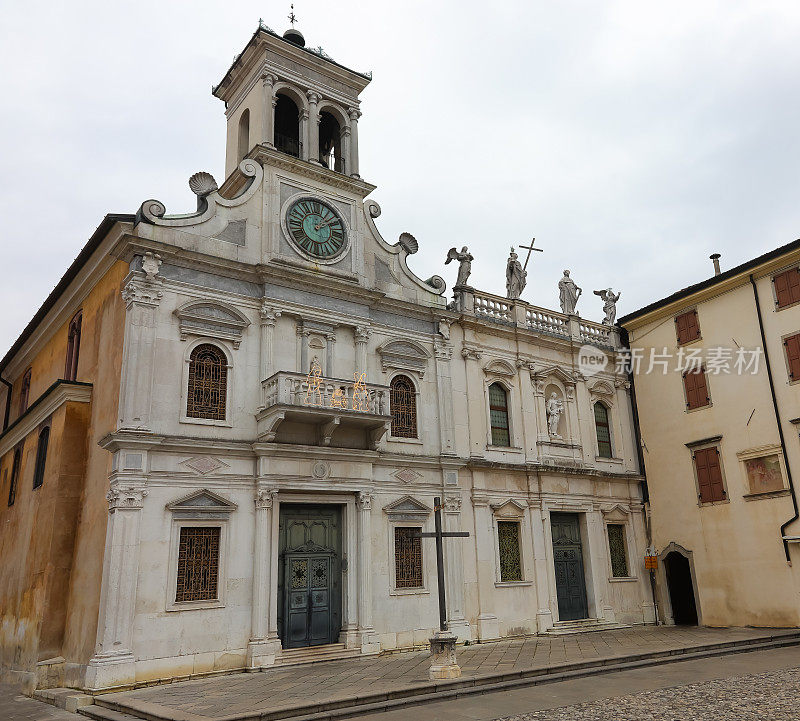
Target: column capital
[(126, 497), (269, 314), (364, 501), (268, 78), (471, 353), (442, 350), (142, 291), (354, 114), (362, 333), (452, 504), (264, 497), (313, 97), (303, 114)]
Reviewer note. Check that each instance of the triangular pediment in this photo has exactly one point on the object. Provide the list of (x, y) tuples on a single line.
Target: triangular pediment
[(406, 506), (616, 512), (508, 509), (555, 372), (202, 501)]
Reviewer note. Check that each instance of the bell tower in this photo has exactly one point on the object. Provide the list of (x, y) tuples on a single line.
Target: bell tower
[(295, 99)]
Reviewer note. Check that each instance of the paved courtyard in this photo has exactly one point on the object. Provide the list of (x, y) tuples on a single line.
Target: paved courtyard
[(287, 687)]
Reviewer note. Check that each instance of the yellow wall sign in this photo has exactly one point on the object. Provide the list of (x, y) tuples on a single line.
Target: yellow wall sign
[(651, 563)]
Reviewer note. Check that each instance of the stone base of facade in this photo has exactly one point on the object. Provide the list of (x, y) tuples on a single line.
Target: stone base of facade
[(370, 643), (544, 620), (461, 629), (262, 652), (488, 627), (109, 670)]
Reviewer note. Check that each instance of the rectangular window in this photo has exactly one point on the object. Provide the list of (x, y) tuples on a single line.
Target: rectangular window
[(198, 564), (510, 557), (41, 457), (764, 474), (792, 347), (709, 475), (695, 385), (787, 287), (617, 549), (15, 470), (407, 558), (498, 415), (687, 327)]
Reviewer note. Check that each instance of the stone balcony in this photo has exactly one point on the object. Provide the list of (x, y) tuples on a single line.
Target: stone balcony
[(505, 311), (327, 412)]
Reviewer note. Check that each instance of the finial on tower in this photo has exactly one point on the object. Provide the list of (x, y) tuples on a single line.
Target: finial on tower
[(293, 35)]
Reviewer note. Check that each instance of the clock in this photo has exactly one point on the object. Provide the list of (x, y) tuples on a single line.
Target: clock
[(316, 228)]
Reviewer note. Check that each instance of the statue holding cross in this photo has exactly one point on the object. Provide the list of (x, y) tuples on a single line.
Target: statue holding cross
[(443, 644), (516, 273)]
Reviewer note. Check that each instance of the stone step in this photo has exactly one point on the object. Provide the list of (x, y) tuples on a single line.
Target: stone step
[(313, 654), (100, 713), (586, 625)]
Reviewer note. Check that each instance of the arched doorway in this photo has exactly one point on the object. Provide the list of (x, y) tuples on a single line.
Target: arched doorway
[(681, 589), (287, 126)]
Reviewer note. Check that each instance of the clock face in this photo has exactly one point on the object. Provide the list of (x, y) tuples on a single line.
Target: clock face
[(316, 228)]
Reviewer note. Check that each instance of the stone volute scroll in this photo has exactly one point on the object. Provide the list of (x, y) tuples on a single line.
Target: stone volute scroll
[(568, 293)]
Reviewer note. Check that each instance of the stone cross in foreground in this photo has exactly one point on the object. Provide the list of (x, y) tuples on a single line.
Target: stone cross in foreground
[(443, 644)]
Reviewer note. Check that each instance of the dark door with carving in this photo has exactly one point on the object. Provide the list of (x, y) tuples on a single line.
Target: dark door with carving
[(309, 576), (568, 559)]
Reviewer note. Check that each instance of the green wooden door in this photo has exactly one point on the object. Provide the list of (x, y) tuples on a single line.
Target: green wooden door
[(309, 578), (568, 560)]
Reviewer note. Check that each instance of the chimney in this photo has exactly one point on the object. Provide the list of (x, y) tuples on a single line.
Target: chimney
[(715, 259)]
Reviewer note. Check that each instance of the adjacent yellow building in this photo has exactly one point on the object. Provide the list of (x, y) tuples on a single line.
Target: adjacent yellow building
[(715, 368)]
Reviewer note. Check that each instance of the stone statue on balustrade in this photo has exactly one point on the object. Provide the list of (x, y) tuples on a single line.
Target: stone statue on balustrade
[(568, 294), (555, 408), (515, 276), (464, 259), (609, 304)]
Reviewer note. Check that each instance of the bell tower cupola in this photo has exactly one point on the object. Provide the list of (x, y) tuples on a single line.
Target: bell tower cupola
[(292, 98)]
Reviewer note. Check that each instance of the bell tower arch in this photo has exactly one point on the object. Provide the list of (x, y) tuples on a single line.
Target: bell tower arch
[(292, 98)]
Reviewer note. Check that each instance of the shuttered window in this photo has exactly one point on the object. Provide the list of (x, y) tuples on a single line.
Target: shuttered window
[(498, 415), (792, 346), (695, 385), (709, 475), (787, 287), (687, 327), (603, 431)]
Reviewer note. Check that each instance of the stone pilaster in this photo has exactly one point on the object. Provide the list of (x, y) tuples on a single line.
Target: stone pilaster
[(541, 570), (113, 662), (142, 295), (454, 569), (369, 641), (475, 403), (443, 352), (488, 625), (362, 334), (261, 650), (269, 317), (313, 126), (268, 81), (330, 339), (354, 114), (305, 132)]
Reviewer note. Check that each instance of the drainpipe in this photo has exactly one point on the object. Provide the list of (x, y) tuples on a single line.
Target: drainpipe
[(778, 421), (7, 413)]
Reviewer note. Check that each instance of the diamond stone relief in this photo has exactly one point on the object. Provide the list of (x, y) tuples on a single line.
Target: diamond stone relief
[(204, 464), (406, 475)]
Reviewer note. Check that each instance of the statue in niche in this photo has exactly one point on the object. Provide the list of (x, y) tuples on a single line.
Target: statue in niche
[(515, 276), (568, 294), (464, 259), (555, 408), (609, 304)]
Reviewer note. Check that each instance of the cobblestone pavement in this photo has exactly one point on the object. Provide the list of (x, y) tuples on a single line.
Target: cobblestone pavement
[(241, 693), (771, 696), (16, 707)]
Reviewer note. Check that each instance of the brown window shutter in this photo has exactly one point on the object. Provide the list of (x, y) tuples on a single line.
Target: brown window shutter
[(701, 388), (688, 384), (715, 475), (793, 281), (701, 463), (783, 289), (692, 326), (792, 345), (680, 328)]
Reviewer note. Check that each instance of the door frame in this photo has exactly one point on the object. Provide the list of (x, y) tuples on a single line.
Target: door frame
[(580, 522), (662, 585)]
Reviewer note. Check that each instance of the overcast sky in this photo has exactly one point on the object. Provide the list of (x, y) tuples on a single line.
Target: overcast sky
[(631, 138)]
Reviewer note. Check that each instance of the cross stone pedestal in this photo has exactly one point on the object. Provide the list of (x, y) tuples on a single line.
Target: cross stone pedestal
[(443, 656)]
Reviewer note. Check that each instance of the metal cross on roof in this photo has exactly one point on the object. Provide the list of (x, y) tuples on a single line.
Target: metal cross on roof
[(292, 17)]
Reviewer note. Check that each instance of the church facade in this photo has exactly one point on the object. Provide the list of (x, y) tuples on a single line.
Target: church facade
[(261, 402)]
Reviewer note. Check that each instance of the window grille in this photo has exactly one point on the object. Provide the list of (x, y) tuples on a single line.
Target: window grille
[(41, 457), (407, 558), (510, 557), (616, 547), (498, 415), (208, 381), (198, 564), (603, 431), (403, 401)]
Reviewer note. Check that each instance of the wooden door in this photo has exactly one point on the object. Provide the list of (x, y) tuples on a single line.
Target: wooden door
[(568, 559)]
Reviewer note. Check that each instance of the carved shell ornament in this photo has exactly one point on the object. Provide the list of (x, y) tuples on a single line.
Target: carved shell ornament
[(203, 184), (409, 243)]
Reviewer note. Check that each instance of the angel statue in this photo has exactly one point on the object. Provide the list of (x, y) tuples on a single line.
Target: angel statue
[(464, 259), (609, 304), (515, 276)]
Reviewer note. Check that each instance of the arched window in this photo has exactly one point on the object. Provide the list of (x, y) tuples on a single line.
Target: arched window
[(603, 430), (73, 347), (287, 126), (498, 415), (244, 134), (403, 401), (41, 457), (208, 383), (15, 468), (24, 391), (330, 142)]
